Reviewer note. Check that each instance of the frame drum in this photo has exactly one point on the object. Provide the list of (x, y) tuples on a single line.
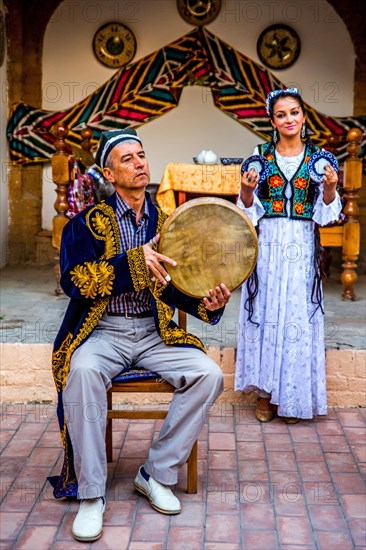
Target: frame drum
[(212, 241)]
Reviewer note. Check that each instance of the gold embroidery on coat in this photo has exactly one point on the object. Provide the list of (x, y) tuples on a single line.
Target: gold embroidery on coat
[(202, 312), (85, 277), (105, 228), (101, 277), (63, 436), (58, 362), (138, 268), (91, 321), (162, 216), (171, 335), (174, 335), (93, 278), (106, 276), (136, 261), (61, 357)]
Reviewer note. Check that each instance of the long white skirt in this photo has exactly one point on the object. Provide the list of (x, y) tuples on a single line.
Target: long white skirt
[(283, 354)]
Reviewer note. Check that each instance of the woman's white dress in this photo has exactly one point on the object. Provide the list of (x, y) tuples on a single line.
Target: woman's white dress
[(283, 354)]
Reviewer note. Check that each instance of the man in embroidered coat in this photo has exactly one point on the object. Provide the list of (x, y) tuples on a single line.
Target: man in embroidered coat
[(120, 314)]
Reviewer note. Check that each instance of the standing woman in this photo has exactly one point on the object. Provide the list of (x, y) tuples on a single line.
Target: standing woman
[(281, 351)]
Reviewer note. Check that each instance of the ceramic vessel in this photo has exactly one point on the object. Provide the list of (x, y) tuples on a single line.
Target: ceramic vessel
[(205, 157)]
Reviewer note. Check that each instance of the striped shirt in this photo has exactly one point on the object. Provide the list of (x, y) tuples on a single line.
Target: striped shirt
[(132, 235)]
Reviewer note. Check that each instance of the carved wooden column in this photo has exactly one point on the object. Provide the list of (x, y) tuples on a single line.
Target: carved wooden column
[(332, 236), (61, 177), (351, 237), (87, 135)]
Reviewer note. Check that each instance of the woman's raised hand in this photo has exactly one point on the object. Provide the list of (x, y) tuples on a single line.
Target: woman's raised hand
[(330, 180), (249, 181)]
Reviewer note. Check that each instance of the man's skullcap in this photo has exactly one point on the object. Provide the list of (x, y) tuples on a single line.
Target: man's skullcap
[(109, 140)]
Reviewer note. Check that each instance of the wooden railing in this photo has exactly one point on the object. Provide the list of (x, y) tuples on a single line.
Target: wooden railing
[(61, 177), (347, 234)]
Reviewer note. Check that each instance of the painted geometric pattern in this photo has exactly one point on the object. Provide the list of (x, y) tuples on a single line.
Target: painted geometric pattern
[(152, 86)]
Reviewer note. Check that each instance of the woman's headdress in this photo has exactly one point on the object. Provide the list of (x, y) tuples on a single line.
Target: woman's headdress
[(271, 95)]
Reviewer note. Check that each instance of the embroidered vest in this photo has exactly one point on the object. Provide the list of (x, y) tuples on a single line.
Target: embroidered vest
[(272, 191)]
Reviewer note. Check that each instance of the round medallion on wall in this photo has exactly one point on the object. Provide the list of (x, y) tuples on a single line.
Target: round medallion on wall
[(278, 47), (114, 45), (199, 12)]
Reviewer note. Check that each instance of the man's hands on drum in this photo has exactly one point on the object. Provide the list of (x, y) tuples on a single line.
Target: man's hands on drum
[(249, 181), (218, 298), (153, 261)]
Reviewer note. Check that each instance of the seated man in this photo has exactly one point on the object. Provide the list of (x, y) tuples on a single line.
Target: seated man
[(120, 314)]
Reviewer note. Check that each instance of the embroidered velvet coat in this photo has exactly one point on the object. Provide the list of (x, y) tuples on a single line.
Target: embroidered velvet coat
[(93, 269)]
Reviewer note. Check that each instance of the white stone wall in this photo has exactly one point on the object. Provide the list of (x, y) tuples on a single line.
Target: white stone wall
[(26, 377)]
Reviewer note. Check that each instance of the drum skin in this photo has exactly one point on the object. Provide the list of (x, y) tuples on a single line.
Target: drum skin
[(212, 241)]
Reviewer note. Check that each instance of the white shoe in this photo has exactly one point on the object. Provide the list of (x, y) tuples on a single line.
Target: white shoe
[(88, 524), (160, 496)]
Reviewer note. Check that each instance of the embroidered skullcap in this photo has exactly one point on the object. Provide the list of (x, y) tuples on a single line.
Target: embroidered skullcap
[(109, 140)]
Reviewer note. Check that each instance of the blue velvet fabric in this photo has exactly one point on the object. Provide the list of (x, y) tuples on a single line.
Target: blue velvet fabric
[(129, 374)]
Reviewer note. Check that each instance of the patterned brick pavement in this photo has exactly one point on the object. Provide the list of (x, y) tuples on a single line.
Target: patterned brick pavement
[(261, 486)]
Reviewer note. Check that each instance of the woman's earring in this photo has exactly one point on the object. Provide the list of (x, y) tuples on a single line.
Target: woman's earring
[(275, 136), (303, 130)]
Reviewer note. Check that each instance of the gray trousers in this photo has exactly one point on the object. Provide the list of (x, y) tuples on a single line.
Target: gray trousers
[(118, 342)]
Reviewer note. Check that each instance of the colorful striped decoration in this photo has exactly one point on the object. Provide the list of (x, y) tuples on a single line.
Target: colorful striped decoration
[(152, 86)]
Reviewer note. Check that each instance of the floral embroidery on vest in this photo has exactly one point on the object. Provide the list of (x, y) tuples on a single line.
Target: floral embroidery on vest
[(272, 191)]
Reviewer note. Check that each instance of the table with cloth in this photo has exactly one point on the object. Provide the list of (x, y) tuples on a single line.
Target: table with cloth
[(203, 179)]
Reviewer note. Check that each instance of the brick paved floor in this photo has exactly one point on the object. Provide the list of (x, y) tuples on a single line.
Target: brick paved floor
[(261, 486)]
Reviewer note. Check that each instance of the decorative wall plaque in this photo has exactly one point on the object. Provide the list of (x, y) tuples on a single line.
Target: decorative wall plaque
[(278, 47), (199, 12), (114, 45)]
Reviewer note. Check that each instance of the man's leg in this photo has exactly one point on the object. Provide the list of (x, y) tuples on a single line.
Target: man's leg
[(199, 381), (93, 365)]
